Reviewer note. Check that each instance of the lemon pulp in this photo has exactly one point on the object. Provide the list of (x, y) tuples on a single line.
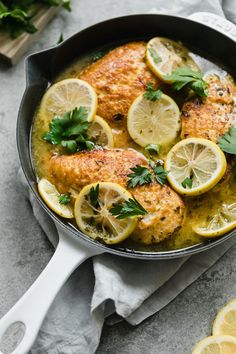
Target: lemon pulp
[(153, 122), (170, 56), (197, 159), (97, 221), (66, 95), (50, 195)]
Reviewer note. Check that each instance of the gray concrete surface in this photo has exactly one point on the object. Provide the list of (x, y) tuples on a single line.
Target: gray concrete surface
[(24, 250)]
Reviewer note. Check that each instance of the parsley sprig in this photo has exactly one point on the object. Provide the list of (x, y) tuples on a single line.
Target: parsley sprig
[(130, 207), (15, 17), (64, 198), (151, 94), (187, 182), (156, 58), (142, 175), (185, 76), (160, 174), (70, 131), (227, 142), (94, 195)]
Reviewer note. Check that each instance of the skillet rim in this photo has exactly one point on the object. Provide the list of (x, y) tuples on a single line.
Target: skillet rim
[(72, 231)]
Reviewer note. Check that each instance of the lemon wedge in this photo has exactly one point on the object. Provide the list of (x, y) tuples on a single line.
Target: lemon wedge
[(164, 56), (50, 195), (216, 345), (195, 166), (66, 95), (100, 133), (225, 321), (153, 122), (219, 223), (95, 220)]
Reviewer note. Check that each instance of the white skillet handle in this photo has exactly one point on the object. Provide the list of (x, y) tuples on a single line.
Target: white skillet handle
[(33, 306), (217, 22)]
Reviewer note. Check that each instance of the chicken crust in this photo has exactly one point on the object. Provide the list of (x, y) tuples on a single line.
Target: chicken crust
[(118, 78), (210, 117), (165, 207)]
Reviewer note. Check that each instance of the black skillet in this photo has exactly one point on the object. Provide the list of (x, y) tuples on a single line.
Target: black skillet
[(41, 69)]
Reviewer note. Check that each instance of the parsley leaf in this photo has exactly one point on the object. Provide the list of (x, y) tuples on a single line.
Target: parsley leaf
[(93, 195), (185, 76), (156, 58), (187, 182), (141, 175), (60, 39), (152, 94), (130, 207), (16, 22), (64, 198), (227, 142), (100, 53), (153, 148), (15, 17), (160, 174), (70, 131)]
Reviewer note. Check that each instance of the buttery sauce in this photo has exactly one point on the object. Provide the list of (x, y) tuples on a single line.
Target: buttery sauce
[(197, 208)]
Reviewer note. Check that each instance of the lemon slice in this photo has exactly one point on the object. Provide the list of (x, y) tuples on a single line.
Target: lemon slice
[(218, 224), (197, 160), (100, 133), (225, 321), (97, 221), (51, 196), (216, 345), (164, 56), (153, 122), (66, 95)]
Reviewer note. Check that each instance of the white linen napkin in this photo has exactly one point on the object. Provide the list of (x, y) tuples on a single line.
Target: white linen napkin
[(106, 284)]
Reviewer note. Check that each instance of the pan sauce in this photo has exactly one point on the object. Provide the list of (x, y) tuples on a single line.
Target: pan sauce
[(197, 208)]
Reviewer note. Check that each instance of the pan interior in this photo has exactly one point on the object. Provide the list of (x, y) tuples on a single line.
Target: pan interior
[(173, 249)]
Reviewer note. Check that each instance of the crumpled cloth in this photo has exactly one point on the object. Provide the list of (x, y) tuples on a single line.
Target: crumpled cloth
[(111, 288)]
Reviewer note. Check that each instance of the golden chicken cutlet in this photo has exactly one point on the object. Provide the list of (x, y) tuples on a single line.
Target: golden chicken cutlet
[(212, 116), (118, 78), (165, 207)]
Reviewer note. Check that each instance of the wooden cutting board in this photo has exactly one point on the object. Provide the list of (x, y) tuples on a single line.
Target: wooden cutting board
[(11, 50)]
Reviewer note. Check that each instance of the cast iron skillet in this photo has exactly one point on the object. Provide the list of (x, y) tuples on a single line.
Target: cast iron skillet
[(41, 70)]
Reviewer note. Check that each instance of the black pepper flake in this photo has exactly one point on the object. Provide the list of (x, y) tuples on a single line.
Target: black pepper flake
[(185, 114), (118, 117)]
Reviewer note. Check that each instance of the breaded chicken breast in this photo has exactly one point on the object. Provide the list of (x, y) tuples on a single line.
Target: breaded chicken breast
[(118, 78), (165, 208), (212, 116)]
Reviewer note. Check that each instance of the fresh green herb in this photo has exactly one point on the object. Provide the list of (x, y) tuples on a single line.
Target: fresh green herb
[(187, 182), (100, 53), (185, 76), (70, 131), (130, 207), (151, 163), (60, 39), (64, 198), (156, 58), (151, 94), (16, 22), (141, 175), (16, 18), (153, 148), (93, 195), (227, 142), (160, 174)]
